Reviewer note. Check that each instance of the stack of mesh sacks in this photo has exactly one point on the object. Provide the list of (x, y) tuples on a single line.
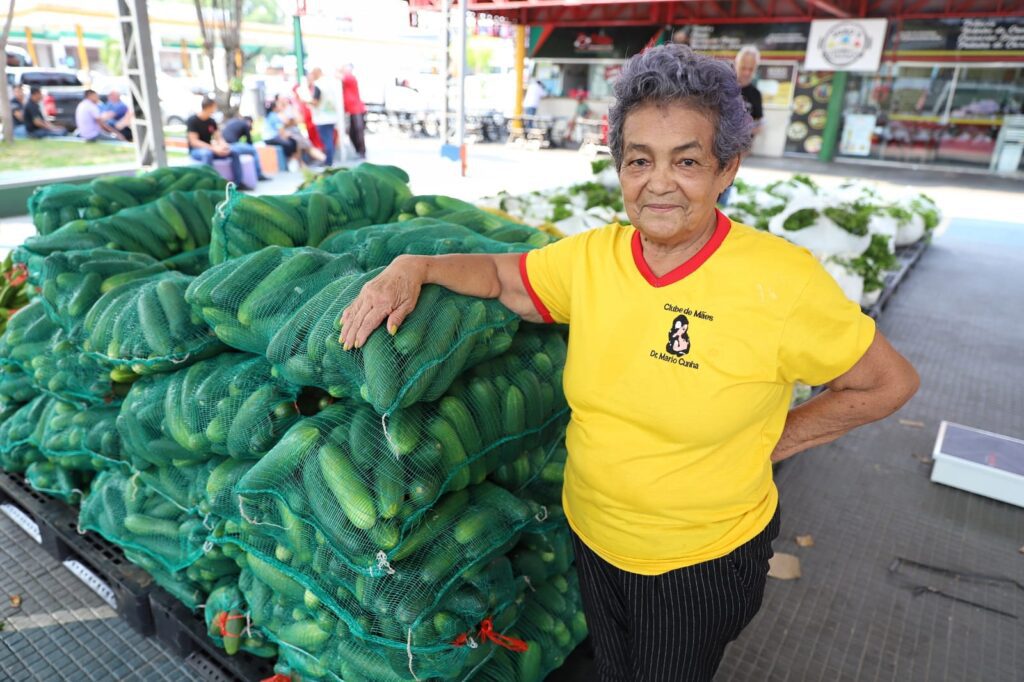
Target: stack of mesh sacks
[(387, 513)]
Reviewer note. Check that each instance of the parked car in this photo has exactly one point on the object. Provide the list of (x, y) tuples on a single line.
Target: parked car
[(179, 99), (62, 91), (17, 56)]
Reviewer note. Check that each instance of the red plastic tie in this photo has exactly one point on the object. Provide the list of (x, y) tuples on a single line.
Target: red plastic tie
[(461, 640), (277, 678), (222, 623), (511, 643)]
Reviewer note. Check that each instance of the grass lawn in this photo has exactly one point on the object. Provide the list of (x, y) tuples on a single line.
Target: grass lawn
[(33, 154)]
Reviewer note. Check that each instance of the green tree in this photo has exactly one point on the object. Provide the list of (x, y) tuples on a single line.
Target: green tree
[(110, 55)]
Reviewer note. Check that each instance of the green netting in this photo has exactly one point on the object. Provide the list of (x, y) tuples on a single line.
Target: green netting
[(16, 459), (366, 195), (174, 224), (194, 262), (320, 643), (249, 299), (483, 222), (542, 471), (53, 479), (127, 512), (378, 245), (227, 405), (72, 281), (37, 346), (55, 205), (29, 333), (446, 334), (16, 386), (551, 624), (229, 624), (25, 425), (384, 473), (81, 434), (146, 325), (189, 592)]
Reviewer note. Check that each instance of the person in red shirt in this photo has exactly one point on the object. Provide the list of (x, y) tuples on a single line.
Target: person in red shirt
[(356, 110)]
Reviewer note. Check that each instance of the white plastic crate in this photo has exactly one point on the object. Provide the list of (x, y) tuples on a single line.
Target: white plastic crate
[(981, 462)]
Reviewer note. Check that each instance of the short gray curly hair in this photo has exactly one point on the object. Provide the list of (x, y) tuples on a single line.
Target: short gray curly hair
[(674, 73)]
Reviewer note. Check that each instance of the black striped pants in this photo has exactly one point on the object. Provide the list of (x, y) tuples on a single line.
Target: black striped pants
[(672, 627)]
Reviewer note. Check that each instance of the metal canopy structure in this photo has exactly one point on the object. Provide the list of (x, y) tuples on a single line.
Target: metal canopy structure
[(140, 68), (594, 13)]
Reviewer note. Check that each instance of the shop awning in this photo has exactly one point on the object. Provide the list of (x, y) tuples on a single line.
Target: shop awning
[(592, 13)]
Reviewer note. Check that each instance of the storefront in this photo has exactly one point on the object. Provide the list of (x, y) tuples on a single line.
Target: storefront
[(940, 95)]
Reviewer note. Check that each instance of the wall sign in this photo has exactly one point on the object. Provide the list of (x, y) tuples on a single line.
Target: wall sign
[(858, 129), (845, 44)]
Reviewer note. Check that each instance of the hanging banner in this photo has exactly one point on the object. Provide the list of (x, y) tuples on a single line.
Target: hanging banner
[(845, 44)]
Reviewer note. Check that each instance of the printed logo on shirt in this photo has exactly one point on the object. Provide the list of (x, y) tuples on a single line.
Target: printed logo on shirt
[(678, 344)]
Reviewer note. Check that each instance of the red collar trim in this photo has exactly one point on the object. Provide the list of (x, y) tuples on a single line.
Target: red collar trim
[(691, 265)]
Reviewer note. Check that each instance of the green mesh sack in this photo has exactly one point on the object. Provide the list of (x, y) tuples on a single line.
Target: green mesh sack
[(541, 470), (16, 386), (36, 345), (192, 593), (444, 644), (483, 222), (73, 434), (446, 334), (423, 600), (25, 425), (194, 262), (29, 333), (130, 514), (146, 325), (551, 626), (229, 624), (370, 194), (72, 281), (380, 475), (55, 205), (17, 458), (378, 245), (53, 479), (227, 405), (246, 224), (249, 299), (174, 224)]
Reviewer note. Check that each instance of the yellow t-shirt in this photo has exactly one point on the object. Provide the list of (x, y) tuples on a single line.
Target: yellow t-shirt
[(680, 385)]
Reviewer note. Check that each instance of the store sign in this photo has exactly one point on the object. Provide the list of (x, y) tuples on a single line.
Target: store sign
[(594, 43), (953, 35), (766, 37), (845, 44), (858, 130)]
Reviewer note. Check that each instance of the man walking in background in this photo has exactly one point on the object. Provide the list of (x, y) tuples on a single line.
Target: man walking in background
[(355, 109)]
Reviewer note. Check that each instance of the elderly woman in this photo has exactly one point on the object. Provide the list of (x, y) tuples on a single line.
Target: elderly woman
[(687, 333)]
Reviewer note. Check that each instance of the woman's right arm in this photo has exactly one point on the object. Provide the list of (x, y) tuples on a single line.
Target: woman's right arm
[(392, 295)]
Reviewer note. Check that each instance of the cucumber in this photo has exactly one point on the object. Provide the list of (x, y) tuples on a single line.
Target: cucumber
[(411, 334), (281, 279), (471, 528), (383, 378), (274, 579), (346, 485), (452, 453), (458, 415), (432, 524), (177, 314), (87, 293), (154, 324), (514, 416)]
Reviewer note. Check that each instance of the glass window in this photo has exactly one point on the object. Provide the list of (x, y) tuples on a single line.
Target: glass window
[(980, 100), (602, 76)]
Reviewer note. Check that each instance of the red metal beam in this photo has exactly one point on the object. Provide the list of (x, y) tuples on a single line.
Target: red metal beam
[(830, 8)]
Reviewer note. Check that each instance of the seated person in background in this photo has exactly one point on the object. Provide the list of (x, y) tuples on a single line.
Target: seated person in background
[(92, 124), (122, 115), (36, 124), (18, 102), (282, 129), (237, 129), (205, 142)]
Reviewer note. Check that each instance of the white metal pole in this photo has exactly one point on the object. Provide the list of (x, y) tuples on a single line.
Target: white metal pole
[(461, 124), (447, 78)]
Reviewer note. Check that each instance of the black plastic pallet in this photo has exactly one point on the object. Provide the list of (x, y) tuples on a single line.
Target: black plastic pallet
[(119, 582), (184, 632), (908, 256)]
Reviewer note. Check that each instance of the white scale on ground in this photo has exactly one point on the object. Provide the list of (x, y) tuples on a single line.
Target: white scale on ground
[(981, 462)]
